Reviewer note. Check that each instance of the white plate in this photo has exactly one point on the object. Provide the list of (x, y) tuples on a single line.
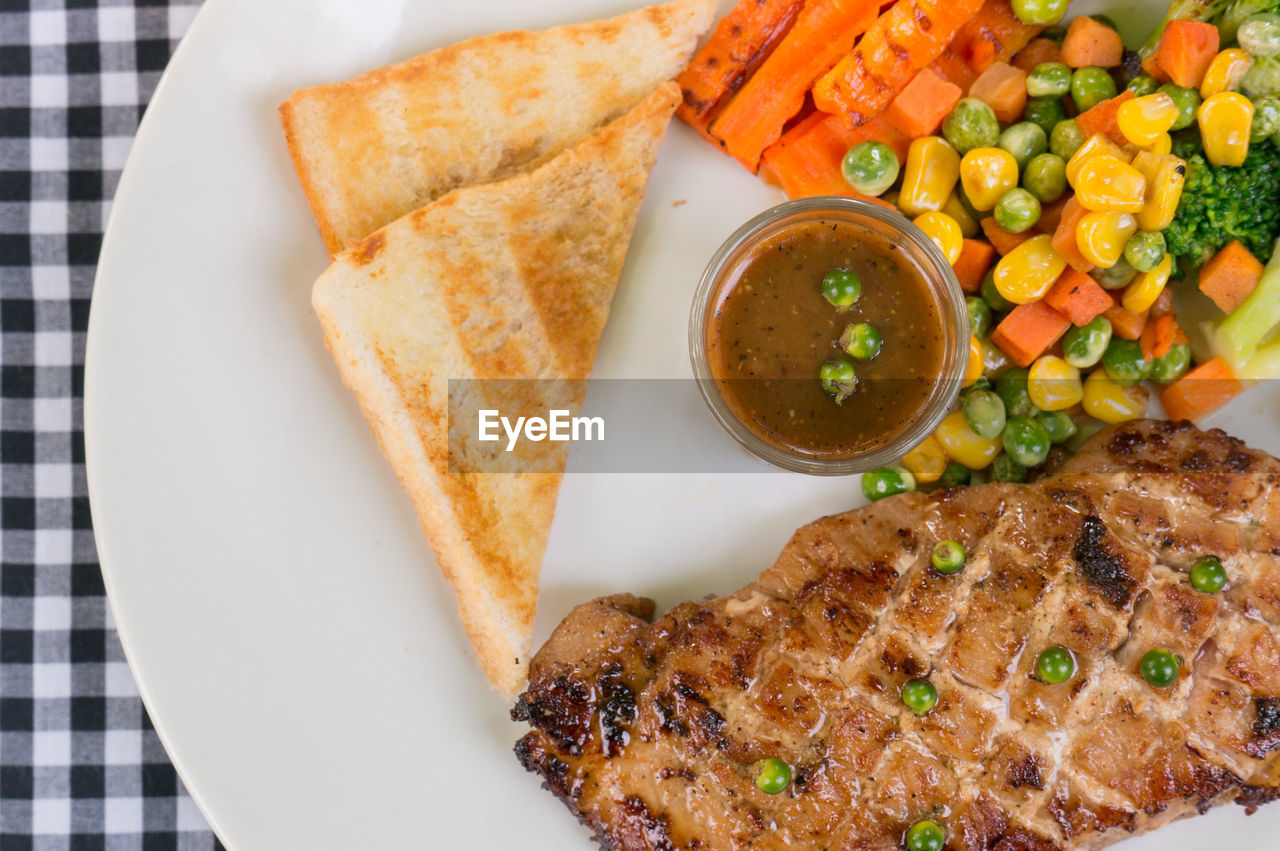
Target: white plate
[(296, 647)]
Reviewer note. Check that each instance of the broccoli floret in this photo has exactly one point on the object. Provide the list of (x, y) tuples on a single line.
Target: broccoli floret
[(1220, 204)]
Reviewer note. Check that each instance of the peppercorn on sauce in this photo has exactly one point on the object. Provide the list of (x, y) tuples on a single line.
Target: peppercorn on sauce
[(772, 330), (646, 730)]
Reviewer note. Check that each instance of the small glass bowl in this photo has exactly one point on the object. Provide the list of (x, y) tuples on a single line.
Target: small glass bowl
[(941, 281)]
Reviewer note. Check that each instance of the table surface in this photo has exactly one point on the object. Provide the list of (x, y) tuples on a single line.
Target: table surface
[(80, 765)]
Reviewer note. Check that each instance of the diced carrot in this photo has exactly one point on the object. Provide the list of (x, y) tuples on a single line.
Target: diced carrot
[(806, 160), (1078, 297), (903, 40), (918, 109), (1186, 49), (1101, 118), (1037, 52), (972, 264), (1003, 88), (1151, 67), (1064, 238), (1089, 42), (1028, 331), (1051, 214), (1159, 335), (1126, 324), (756, 116), (1003, 240), (742, 40), (1204, 389), (1230, 276)]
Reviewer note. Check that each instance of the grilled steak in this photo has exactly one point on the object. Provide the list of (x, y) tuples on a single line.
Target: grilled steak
[(645, 729)]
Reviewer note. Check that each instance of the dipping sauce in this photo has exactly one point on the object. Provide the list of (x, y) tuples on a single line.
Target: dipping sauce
[(771, 330)]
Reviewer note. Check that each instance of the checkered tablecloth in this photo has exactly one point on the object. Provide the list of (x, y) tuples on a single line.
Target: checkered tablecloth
[(80, 765)]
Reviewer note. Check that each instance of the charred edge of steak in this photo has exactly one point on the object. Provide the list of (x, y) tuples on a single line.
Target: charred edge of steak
[(534, 756), (562, 709), (1021, 839), (1252, 797), (1266, 727), (1100, 566), (638, 827)]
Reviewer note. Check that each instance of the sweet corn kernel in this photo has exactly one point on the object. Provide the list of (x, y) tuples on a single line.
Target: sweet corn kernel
[(1225, 72), (932, 169), (1143, 291), (1101, 237), (1107, 401), (927, 461), (973, 369), (968, 224), (1143, 119), (1225, 120), (943, 231), (963, 445), (1096, 145), (1165, 175), (1161, 146), (986, 174), (1053, 384), (1107, 185), (1027, 272)]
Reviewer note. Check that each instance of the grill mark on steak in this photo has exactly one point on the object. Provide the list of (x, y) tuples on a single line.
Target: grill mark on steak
[(788, 667), (1101, 565)]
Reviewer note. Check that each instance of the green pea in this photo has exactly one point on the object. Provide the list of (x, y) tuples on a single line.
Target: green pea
[(861, 340), (1017, 210), (920, 696), (1262, 79), (1266, 118), (771, 775), (1055, 665), (870, 167), (1083, 346), (1124, 362), (1049, 80), (1116, 277), (1005, 469), (841, 287), (1058, 425), (1040, 13), (1208, 575), (1187, 101), (925, 835), (1065, 138), (984, 412), (1026, 441), (1145, 250), (887, 481), (990, 294), (955, 475), (1172, 365), (979, 384), (838, 378), (1259, 35), (971, 124), (1091, 86), (1044, 112), (1024, 141), (1046, 177), (1143, 85), (1160, 668), (1011, 387), (947, 556), (979, 316)]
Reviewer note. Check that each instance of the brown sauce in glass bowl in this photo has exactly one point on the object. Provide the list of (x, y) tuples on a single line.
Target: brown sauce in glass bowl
[(772, 329)]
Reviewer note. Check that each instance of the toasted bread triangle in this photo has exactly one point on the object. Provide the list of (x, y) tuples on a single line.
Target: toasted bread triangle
[(371, 149), (505, 280)]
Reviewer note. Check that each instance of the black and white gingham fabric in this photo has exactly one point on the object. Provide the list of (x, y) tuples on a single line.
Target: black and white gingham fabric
[(80, 765)]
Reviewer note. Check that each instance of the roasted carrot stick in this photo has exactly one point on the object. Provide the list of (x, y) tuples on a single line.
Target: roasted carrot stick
[(903, 40), (994, 34), (825, 31), (742, 41), (806, 160)]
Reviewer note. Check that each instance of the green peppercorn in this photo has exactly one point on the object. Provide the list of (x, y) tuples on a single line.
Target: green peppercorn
[(955, 475), (920, 696), (841, 287), (771, 775), (1208, 575), (861, 340), (1160, 667), (1055, 665), (947, 556), (925, 835)]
